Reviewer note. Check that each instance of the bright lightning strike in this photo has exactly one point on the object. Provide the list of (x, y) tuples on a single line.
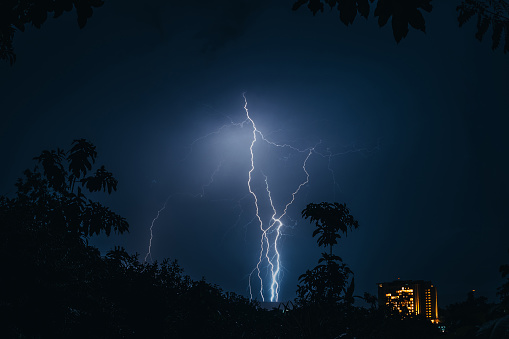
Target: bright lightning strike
[(269, 258), (275, 225)]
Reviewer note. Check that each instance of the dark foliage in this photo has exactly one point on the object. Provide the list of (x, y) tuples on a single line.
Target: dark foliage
[(329, 219), (326, 320), (464, 319), (503, 291), (409, 13), (77, 213), (402, 12), (49, 269), (494, 13), (16, 14), (328, 282)]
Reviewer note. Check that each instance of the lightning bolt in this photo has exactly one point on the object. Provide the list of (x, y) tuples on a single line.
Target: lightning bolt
[(198, 195), (149, 252), (275, 225), (269, 258)]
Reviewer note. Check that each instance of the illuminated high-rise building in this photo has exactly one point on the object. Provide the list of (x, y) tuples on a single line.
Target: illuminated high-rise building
[(411, 297)]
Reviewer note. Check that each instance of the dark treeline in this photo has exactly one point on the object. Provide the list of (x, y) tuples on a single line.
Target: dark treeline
[(55, 285)]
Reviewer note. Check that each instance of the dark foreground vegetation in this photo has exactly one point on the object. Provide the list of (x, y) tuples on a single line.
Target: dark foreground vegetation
[(55, 285)]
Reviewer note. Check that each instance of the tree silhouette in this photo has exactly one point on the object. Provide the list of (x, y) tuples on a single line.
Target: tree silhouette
[(328, 281), (463, 319), (16, 14), (49, 270), (55, 285), (409, 13), (329, 219), (503, 291), (82, 216)]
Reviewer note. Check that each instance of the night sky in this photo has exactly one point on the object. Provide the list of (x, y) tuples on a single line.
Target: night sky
[(417, 132)]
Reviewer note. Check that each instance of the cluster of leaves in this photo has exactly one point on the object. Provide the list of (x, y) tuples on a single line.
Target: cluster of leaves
[(52, 191), (329, 219), (494, 13), (402, 12), (16, 14), (347, 9), (328, 282), (408, 13), (503, 291)]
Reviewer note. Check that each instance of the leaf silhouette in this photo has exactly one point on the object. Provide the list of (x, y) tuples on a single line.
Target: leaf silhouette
[(330, 219), (464, 15), (313, 5), (483, 23), (84, 12), (494, 13), (39, 15), (348, 9), (61, 6), (102, 179), (53, 169), (81, 157), (506, 46), (97, 218), (498, 28), (402, 13), (349, 292)]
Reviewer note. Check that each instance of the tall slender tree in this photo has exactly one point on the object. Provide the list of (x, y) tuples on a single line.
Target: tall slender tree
[(328, 281)]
